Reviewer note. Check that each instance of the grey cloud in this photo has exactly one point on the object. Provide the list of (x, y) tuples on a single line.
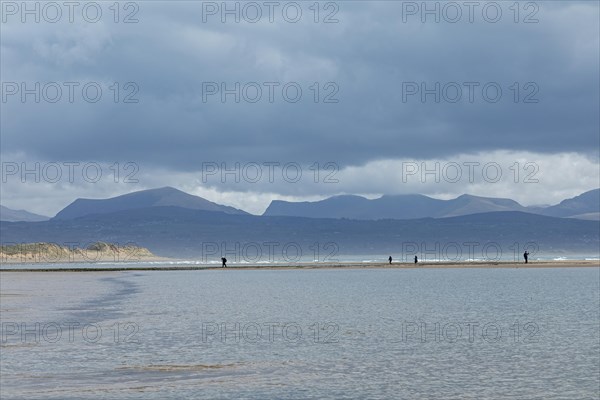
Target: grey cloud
[(368, 55)]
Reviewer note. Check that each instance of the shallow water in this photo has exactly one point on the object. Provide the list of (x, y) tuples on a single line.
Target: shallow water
[(435, 333)]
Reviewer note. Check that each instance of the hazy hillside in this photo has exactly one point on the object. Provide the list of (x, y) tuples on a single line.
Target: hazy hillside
[(333, 207), (396, 207), (585, 204), (166, 196), (7, 214)]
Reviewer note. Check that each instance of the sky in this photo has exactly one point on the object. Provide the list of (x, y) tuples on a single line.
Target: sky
[(247, 102)]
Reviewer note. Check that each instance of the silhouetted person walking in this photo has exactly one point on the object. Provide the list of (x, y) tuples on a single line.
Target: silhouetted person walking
[(390, 259), (224, 261), (526, 256), (416, 260)]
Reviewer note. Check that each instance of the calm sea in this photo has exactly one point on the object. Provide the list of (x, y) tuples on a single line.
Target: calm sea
[(298, 334)]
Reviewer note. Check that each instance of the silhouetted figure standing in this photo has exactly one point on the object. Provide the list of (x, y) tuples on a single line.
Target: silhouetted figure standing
[(224, 261), (390, 259), (526, 256), (416, 260)]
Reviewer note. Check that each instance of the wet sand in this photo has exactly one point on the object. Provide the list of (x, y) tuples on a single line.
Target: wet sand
[(382, 265)]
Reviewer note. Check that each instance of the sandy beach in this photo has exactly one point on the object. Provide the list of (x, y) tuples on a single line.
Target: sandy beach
[(61, 267), (50, 253)]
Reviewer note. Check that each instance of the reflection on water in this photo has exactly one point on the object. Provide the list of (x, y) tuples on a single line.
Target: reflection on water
[(377, 333)]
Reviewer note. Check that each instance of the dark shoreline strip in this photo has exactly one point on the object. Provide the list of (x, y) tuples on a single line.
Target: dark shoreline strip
[(585, 264)]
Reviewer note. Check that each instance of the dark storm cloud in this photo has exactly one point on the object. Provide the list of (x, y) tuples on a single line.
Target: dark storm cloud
[(368, 55)]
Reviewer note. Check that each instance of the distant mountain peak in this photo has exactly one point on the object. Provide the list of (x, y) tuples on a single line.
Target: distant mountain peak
[(164, 189), (10, 215), (164, 196), (584, 204)]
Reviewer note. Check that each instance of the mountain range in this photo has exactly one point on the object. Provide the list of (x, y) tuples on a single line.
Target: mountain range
[(172, 223), (411, 206), (182, 233)]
